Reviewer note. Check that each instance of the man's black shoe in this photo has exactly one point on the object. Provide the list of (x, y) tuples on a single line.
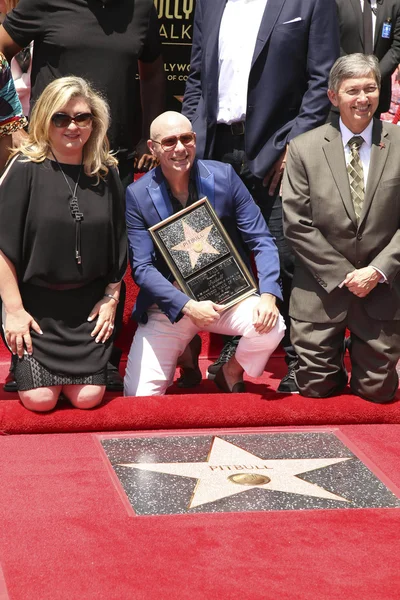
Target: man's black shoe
[(227, 352), (10, 384), (190, 375), (288, 383), (115, 382)]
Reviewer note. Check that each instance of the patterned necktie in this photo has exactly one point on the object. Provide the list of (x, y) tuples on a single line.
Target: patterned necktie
[(356, 174)]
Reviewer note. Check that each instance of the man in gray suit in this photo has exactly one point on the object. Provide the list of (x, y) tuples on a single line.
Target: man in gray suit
[(372, 27), (341, 199)]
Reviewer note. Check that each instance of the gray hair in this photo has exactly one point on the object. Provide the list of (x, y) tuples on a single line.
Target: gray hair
[(353, 66)]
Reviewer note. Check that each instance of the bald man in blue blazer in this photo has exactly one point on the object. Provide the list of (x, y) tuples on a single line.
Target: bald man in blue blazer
[(167, 318)]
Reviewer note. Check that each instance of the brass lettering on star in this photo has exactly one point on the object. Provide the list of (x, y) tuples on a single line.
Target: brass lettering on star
[(237, 467)]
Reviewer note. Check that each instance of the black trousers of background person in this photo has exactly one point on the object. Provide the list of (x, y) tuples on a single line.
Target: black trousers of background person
[(229, 148)]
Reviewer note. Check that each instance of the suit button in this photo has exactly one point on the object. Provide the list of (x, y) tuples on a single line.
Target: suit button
[(359, 236), (358, 262), (324, 284)]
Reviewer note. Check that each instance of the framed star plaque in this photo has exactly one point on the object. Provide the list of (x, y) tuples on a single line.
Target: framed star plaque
[(201, 256)]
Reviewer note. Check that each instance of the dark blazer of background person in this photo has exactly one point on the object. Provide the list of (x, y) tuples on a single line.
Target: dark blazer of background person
[(298, 41), (387, 50)]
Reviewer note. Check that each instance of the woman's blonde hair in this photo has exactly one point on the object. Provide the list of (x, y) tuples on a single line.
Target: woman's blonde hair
[(96, 156)]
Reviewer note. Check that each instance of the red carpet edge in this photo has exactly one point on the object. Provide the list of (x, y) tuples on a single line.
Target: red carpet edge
[(202, 407), (197, 411)]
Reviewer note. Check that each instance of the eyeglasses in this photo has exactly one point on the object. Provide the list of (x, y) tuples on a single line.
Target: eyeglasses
[(63, 120), (169, 143)]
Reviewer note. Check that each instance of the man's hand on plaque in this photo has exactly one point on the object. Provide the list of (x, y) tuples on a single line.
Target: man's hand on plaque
[(202, 313), (265, 314)]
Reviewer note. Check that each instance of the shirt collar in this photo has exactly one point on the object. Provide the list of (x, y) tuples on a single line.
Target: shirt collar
[(347, 134)]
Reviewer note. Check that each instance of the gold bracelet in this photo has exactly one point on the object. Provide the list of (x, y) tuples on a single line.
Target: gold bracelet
[(112, 297)]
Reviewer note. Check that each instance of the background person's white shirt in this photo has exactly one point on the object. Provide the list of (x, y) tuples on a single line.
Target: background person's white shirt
[(237, 39)]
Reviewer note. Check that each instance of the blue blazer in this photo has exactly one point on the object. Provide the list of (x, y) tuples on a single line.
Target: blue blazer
[(148, 203), (297, 44)]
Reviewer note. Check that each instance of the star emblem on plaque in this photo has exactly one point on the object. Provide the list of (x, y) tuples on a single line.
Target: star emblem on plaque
[(195, 243), (201, 256), (203, 473)]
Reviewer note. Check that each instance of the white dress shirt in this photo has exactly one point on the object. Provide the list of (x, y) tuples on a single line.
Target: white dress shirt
[(237, 39)]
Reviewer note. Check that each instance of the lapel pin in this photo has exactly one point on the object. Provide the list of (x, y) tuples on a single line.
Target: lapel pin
[(382, 145)]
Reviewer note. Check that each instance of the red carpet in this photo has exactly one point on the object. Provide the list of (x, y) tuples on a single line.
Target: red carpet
[(204, 406), (67, 535)]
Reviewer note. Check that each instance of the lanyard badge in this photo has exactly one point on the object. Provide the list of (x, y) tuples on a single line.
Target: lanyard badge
[(386, 29)]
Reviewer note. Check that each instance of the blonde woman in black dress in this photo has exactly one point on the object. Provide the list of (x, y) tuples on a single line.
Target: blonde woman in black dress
[(62, 248)]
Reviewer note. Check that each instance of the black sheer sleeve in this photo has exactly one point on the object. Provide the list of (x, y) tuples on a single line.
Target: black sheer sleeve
[(15, 185)]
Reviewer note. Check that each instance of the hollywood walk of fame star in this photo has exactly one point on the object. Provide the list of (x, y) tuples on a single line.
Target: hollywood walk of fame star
[(195, 243), (216, 476)]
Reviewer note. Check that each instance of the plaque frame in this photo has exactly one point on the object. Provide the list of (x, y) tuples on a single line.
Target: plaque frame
[(231, 256)]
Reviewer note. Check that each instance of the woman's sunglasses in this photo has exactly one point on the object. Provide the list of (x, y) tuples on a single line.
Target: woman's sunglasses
[(169, 143), (63, 120)]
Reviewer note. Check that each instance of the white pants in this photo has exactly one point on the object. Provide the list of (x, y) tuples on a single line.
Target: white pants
[(158, 344)]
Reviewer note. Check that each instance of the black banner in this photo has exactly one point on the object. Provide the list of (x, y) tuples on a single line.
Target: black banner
[(176, 32)]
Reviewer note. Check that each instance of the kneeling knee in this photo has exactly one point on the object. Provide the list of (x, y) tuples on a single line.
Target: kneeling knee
[(85, 398), (39, 400), (321, 388)]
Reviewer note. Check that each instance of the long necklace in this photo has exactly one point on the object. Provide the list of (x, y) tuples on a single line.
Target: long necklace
[(75, 211)]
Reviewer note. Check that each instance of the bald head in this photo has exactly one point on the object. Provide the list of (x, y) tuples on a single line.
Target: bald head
[(173, 143), (168, 123)]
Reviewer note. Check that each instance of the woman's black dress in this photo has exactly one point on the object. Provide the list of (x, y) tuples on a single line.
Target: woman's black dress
[(38, 235)]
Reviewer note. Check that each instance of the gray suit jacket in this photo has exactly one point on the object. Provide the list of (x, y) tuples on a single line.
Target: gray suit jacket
[(387, 50), (321, 227)]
